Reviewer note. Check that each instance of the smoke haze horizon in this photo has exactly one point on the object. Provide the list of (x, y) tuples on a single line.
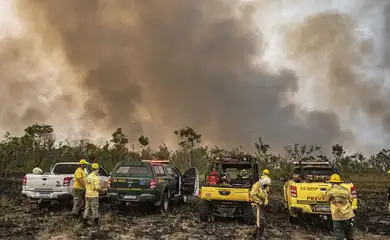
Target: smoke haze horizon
[(232, 70)]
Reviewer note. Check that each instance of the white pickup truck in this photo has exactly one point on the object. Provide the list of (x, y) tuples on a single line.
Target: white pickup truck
[(57, 185)]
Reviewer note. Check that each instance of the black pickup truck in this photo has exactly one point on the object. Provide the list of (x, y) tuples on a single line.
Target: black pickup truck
[(151, 181)]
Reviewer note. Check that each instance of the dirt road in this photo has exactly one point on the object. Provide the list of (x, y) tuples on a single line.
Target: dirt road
[(16, 223)]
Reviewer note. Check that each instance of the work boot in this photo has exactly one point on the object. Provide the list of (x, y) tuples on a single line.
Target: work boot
[(96, 220), (85, 222), (259, 233)]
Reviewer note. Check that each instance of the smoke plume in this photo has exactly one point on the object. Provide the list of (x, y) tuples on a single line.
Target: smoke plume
[(152, 66)]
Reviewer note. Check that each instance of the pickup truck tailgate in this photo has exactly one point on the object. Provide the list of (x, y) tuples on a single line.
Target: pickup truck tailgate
[(45, 183), (228, 194), (312, 195), (312, 192)]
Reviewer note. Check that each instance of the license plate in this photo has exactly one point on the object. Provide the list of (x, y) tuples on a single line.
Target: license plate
[(44, 194), (322, 208), (130, 197)]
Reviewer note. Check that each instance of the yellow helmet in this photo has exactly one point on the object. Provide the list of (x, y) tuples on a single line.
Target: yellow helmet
[(335, 178), (83, 161), (95, 166), (265, 171), (388, 172)]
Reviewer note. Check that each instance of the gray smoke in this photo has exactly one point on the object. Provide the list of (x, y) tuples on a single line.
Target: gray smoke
[(184, 62)]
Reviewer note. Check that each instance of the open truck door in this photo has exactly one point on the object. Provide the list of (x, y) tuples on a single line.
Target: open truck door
[(190, 183)]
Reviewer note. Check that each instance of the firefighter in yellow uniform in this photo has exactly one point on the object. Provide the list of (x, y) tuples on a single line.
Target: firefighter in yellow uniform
[(79, 188), (340, 199), (259, 197), (92, 195)]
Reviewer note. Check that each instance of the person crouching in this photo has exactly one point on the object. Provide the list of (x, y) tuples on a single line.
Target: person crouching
[(92, 195)]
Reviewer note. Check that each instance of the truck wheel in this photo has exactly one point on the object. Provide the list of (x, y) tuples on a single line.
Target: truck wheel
[(166, 204), (249, 217), (291, 219), (204, 211)]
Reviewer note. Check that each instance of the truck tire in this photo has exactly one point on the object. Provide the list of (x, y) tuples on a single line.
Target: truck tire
[(291, 219), (249, 217), (204, 211), (166, 202)]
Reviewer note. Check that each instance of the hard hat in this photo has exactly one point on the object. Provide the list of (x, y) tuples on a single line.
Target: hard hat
[(265, 182), (37, 170), (335, 178), (388, 172), (95, 166), (83, 161), (265, 171)]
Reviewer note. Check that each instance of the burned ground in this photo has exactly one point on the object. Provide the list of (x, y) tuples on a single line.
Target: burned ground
[(16, 223)]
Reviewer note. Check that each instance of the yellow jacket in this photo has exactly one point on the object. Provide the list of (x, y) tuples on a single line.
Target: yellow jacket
[(92, 185), (340, 203), (258, 195), (79, 173)]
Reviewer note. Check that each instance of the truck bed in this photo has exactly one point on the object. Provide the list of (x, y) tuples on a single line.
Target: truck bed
[(47, 185)]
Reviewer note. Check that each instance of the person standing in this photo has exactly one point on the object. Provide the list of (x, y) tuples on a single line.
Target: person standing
[(340, 199), (79, 188), (259, 197), (92, 195)]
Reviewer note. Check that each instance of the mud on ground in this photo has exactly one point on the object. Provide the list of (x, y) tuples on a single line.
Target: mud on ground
[(15, 223)]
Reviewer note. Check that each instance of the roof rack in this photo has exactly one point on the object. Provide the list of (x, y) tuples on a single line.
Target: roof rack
[(313, 163), (234, 159), (156, 161)]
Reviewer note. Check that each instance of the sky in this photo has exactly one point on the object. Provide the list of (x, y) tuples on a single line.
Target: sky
[(297, 71)]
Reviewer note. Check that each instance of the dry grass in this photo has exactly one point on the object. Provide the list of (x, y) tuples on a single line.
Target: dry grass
[(183, 223)]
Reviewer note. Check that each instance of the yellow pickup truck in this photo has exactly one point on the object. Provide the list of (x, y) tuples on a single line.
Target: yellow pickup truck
[(304, 191), (229, 196)]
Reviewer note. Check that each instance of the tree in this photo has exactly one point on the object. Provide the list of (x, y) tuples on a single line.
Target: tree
[(162, 152), (120, 141), (301, 152), (143, 141), (188, 139), (119, 138), (39, 139), (146, 152), (262, 153)]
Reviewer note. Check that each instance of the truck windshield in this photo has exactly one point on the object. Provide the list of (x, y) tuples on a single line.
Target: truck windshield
[(138, 171), (65, 168), (315, 171)]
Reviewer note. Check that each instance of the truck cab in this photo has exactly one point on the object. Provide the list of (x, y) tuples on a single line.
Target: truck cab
[(304, 190)]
